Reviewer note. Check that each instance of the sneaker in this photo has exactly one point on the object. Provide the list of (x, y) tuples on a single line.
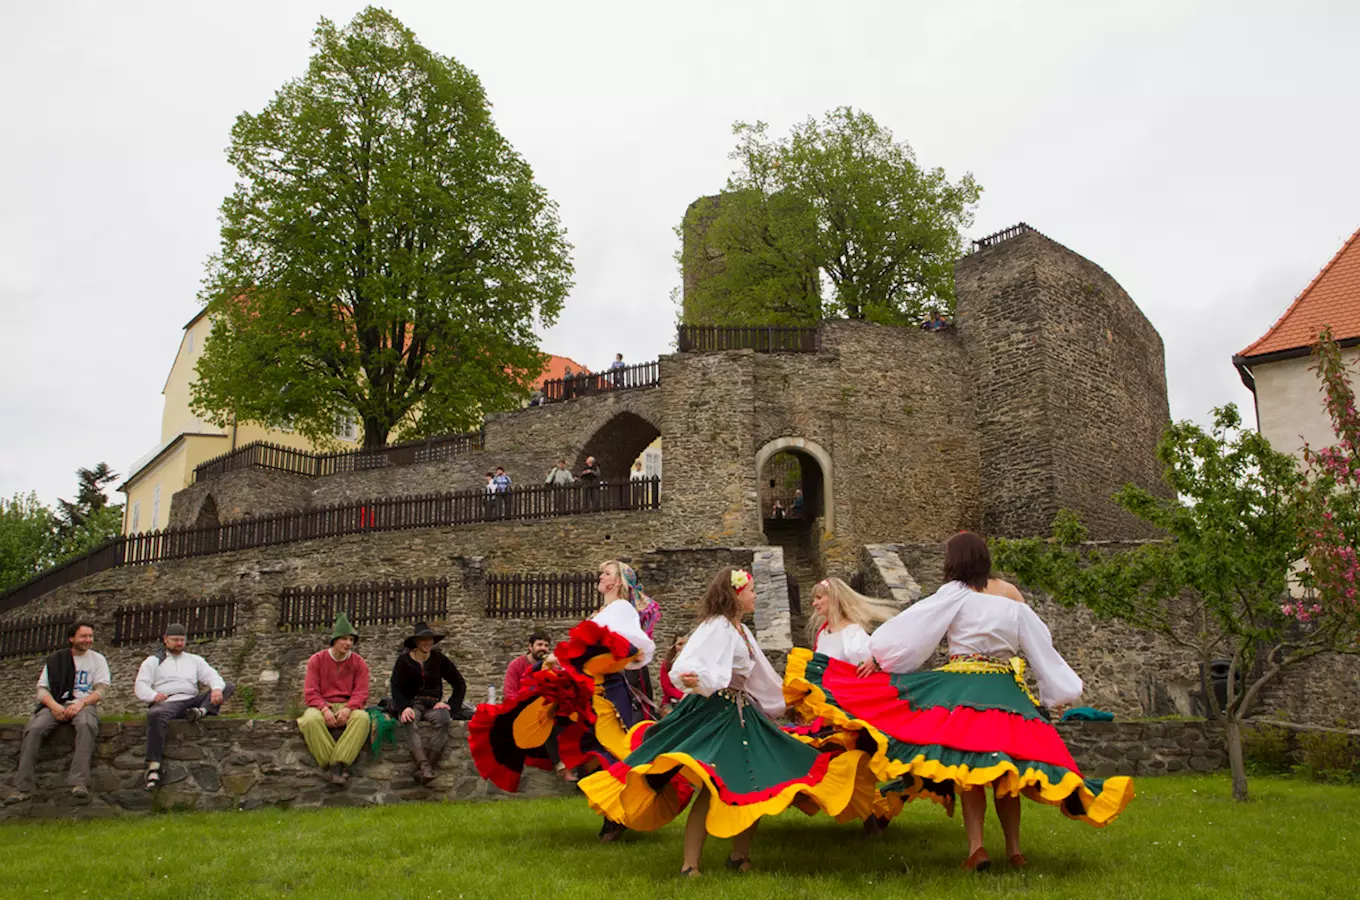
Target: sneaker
[(17, 797), (193, 714), (80, 792)]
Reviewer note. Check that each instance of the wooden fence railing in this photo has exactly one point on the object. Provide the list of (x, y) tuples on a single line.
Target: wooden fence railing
[(364, 603), (520, 596), (382, 514), (760, 338), (590, 383), (1004, 234), (34, 635), (141, 623), (264, 455)]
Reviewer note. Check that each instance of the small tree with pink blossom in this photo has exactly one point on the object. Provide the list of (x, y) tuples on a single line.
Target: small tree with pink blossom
[(1329, 500)]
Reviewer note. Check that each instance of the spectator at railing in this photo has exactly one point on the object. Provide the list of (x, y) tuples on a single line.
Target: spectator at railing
[(778, 511), (502, 485), (72, 683), (590, 482), (418, 678), (168, 683), (491, 495), (616, 370), (568, 379), (336, 691), (936, 322), (540, 644), (559, 475), (797, 509)]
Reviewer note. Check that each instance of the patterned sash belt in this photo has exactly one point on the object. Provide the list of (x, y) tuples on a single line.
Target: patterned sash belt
[(978, 664), (735, 693)]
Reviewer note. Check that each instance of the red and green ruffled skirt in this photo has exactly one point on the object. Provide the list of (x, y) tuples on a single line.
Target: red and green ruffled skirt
[(750, 766), (566, 706), (968, 724)]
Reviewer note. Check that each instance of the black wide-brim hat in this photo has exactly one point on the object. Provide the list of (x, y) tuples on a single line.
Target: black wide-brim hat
[(422, 631)]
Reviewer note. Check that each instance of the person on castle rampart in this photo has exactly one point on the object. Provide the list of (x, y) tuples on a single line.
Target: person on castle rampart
[(590, 482), (616, 370), (568, 382), (936, 322), (970, 724), (335, 690), (578, 709), (796, 508), (168, 682), (501, 483), (72, 683), (418, 677), (538, 648), (559, 475), (721, 739)]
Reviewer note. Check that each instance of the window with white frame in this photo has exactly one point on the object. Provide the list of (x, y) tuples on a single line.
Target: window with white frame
[(189, 342), (651, 463), (136, 515), (156, 507), (347, 427)]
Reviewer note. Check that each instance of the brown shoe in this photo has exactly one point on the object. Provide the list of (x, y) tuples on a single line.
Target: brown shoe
[(337, 774), (1018, 861), (425, 772)]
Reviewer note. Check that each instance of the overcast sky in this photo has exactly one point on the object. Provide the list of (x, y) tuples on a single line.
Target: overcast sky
[(1203, 153)]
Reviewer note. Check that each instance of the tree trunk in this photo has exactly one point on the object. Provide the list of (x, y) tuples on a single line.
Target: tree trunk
[(375, 433), (1232, 728)]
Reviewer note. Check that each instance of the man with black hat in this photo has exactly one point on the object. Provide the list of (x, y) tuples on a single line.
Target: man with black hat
[(336, 690), (168, 681), (418, 678)]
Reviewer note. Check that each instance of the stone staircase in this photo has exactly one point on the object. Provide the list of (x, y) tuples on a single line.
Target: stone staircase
[(804, 568)]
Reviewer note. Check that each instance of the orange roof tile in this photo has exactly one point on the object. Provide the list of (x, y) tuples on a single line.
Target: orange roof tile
[(556, 368), (1332, 298)]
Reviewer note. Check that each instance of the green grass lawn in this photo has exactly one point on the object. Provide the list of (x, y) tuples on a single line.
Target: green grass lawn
[(1181, 837)]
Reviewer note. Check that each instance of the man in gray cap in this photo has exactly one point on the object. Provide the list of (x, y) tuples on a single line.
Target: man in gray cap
[(168, 681)]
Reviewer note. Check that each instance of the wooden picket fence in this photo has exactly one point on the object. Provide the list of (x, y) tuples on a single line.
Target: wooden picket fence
[(760, 338), (541, 596), (34, 635), (141, 623), (364, 603), (273, 457)]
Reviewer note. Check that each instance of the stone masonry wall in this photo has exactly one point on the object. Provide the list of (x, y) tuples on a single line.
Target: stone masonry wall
[(1071, 387), (247, 764)]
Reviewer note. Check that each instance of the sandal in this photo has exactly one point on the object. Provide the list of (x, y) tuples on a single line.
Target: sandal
[(153, 779), (977, 861), (739, 863), (691, 872)]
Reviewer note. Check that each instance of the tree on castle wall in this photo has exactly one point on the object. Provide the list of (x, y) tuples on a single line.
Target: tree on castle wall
[(1218, 583), (385, 255), (837, 219)]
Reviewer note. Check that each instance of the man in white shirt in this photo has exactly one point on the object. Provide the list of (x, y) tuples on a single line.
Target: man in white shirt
[(72, 682), (168, 680)]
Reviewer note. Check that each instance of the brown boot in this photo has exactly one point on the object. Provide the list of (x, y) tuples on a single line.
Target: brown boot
[(424, 771)]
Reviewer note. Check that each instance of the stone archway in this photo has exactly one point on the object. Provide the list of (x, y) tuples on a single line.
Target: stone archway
[(616, 443), (817, 477)]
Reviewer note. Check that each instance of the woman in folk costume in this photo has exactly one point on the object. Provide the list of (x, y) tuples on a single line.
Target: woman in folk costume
[(577, 708), (971, 723), (838, 629), (721, 740), (624, 585)]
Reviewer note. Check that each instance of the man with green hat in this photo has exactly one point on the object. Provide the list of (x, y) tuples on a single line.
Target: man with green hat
[(335, 690)]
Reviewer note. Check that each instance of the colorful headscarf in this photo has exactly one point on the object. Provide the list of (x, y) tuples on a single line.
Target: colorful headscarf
[(740, 578), (649, 611)]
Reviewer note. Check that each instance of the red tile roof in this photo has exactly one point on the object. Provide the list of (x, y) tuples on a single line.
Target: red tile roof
[(1332, 298), (556, 368)]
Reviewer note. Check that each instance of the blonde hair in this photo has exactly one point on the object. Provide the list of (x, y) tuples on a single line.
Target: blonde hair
[(849, 606)]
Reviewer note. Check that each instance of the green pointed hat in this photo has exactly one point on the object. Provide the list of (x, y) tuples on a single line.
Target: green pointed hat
[(343, 628)]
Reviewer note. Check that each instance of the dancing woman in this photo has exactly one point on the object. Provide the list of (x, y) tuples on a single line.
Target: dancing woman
[(721, 740), (576, 709), (971, 723)]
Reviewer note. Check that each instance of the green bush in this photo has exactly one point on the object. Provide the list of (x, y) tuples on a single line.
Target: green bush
[(1327, 756), (246, 694), (1266, 750)]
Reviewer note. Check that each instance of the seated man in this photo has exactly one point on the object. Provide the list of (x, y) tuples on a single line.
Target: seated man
[(540, 644), (73, 680), (418, 678), (168, 683), (335, 690)]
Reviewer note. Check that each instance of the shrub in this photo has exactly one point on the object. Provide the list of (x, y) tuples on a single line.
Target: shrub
[(1266, 750), (246, 693), (1327, 756)]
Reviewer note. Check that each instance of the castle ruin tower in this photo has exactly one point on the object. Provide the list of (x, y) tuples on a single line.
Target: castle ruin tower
[(1070, 386)]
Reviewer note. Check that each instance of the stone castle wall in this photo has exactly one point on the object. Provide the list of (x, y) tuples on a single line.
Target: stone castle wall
[(248, 764)]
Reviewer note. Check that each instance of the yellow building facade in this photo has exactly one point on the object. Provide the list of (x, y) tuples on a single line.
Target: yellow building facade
[(186, 440)]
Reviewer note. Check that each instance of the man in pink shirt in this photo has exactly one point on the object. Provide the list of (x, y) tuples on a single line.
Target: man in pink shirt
[(522, 665), (335, 691)]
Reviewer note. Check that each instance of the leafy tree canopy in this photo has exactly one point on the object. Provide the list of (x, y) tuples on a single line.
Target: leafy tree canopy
[(386, 253), (837, 219), (33, 536)]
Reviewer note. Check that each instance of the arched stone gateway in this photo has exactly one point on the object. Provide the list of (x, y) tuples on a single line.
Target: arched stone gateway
[(616, 443), (816, 477)]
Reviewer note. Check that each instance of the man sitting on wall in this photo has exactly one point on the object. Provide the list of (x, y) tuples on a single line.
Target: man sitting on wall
[(418, 678), (539, 646), (335, 690), (72, 682), (168, 682)]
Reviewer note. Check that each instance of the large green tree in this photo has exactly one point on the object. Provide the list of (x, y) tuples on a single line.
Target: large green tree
[(1218, 584), (837, 219), (26, 531), (386, 253)]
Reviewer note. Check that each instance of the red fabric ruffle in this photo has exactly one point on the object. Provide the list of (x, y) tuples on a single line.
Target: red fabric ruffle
[(591, 634)]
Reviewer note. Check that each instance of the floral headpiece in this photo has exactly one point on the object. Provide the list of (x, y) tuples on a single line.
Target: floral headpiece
[(740, 578), (825, 583)]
